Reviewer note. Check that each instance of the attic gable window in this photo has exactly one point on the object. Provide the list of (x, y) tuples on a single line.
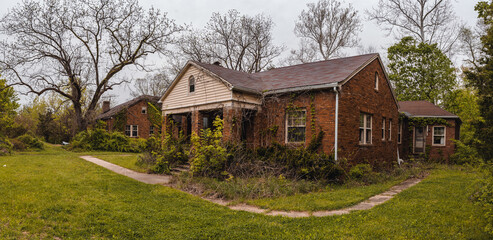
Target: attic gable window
[(144, 110), (376, 80), (191, 84)]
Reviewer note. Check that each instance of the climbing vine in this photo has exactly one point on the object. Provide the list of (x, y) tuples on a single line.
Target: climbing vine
[(422, 122), (120, 121), (154, 115)]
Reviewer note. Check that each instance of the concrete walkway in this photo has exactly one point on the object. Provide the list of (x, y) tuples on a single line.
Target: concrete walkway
[(141, 177), (161, 179)]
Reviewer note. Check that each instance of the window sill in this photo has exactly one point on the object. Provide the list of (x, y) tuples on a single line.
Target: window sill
[(433, 145), (365, 145)]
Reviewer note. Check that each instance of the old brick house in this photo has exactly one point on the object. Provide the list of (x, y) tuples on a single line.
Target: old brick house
[(433, 137), (349, 99), (131, 118)]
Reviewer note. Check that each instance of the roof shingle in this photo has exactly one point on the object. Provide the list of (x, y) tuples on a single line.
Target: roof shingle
[(423, 109), (115, 110)]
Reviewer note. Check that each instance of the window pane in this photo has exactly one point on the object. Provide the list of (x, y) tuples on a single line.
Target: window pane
[(296, 134), (438, 140), (368, 136), (439, 131), (361, 120), (368, 121), (361, 135)]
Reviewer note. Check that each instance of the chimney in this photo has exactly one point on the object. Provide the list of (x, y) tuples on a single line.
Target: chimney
[(106, 106)]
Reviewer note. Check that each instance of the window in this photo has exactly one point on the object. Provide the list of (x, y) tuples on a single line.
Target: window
[(439, 136), (383, 129), (390, 129), (151, 130), (144, 110), (376, 81), (295, 126), (364, 128), (399, 133), (191, 84), (131, 130)]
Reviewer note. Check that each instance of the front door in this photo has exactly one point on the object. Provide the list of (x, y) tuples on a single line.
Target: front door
[(419, 140)]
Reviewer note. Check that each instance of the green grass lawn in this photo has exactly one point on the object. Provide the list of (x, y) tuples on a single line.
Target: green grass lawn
[(126, 160), (55, 194), (336, 198)]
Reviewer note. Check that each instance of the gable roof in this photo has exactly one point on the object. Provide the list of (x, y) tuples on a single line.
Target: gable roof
[(115, 110), (423, 109), (316, 75)]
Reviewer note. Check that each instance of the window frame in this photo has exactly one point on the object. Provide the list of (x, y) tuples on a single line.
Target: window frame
[(191, 84), (444, 136), (399, 133), (365, 129), (376, 81), (143, 110), (383, 128), (151, 130), (287, 126), (390, 129), (129, 130)]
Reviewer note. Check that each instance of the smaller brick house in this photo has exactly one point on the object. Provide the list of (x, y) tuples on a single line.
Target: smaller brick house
[(349, 99), (425, 128), (131, 118)]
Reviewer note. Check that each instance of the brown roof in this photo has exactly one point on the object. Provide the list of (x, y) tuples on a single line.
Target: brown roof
[(115, 110), (423, 109), (302, 75)]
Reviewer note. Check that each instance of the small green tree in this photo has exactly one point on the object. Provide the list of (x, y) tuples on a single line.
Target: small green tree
[(420, 71), (8, 104)]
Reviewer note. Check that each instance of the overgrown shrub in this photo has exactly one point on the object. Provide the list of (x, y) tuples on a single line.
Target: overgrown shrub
[(160, 156), (364, 173), (18, 145), (464, 154), (30, 141), (484, 195), (208, 155), (100, 139), (5, 147)]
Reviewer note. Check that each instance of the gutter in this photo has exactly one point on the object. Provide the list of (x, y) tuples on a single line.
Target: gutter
[(336, 122), (303, 88)]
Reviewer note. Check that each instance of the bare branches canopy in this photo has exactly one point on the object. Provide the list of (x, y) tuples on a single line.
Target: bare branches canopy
[(325, 28), (428, 21), (239, 42), (79, 48)]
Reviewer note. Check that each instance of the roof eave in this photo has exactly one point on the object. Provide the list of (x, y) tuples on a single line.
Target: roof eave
[(245, 90), (302, 88)]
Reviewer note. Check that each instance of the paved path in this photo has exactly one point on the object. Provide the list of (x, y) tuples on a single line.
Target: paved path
[(161, 179), (141, 177)]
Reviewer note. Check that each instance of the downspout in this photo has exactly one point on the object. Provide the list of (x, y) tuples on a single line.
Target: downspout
[(336, 123)]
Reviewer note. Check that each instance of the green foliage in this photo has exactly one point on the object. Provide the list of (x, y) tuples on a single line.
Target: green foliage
[(364, 173), (464, 103), (8, 104), (480, 77), (30, 141), (154, 115), (420, 71), (5, 146), (425, 121), (315, 142), (483, 195), (160, 156), (100, 139), (208, 155), (120, 121), (464, 154)]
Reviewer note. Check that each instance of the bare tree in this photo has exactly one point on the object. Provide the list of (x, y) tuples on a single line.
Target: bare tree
[(238, 41), (78, 49), (325, 28), (154, 85), (429, 21)]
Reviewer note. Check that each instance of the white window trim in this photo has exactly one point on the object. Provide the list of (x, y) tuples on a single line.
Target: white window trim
[(376, 81), (383, 129), (286, 140), (390, 129), (365, 127), (444, 136)]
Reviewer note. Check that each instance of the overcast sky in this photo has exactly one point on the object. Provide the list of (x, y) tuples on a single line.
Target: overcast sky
[(284, 13)]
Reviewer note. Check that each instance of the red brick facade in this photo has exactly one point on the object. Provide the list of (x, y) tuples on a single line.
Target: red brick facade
[(135, 116), (436, 153)]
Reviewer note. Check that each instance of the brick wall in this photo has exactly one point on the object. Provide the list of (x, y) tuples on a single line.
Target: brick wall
[(135, 117), (357, 96), (436, 153)]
